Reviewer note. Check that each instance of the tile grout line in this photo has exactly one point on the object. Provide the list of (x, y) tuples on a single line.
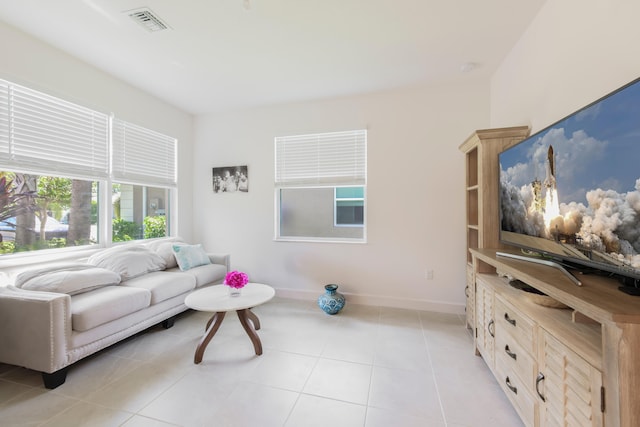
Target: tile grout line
[(301, 392), (433, 372), (373, 365)]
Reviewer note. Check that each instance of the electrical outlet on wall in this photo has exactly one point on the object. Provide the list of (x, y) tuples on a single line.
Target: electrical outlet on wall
[(428, 274)]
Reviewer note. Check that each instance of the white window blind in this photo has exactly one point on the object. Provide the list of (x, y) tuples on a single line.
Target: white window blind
[(4, 119), (327, 159), (44, 133), (142, 156)]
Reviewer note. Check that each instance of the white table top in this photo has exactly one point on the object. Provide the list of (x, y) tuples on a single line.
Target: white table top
[(216, 298)]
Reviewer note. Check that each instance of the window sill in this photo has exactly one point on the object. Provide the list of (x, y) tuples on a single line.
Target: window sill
[(319, 240)]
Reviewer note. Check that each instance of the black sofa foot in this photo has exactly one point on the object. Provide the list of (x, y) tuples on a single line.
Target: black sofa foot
[(54, 379), (168, 322)]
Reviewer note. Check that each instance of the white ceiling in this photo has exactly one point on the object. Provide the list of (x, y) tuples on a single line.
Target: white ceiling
[(220, 55)]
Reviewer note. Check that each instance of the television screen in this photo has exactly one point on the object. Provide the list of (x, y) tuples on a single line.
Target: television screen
[(572, 191)]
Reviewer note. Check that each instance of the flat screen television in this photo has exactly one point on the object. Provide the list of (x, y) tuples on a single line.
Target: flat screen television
[(571, 192)]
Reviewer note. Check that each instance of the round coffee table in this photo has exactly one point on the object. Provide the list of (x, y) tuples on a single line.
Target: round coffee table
[(216, 299)]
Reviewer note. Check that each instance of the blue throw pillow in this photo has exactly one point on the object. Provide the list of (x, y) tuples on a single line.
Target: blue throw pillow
[(190, 256)]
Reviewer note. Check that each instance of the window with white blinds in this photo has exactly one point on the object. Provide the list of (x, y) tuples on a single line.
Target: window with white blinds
[(334, 158), (76, 160), (309, 171), (142, 156), (42, 133)]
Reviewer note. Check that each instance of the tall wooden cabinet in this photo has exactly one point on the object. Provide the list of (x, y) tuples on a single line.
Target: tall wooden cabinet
[(481, 151), (576, 366)]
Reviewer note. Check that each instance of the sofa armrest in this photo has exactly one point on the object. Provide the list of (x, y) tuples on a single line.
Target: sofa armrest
[(35, 328), (223, 259)]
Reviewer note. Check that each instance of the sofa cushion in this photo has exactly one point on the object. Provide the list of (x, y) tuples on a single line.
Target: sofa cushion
[(156, 243), (165, 251), (128, 261), (204, 274), (163, 285), (69, 278), (91, 309), (190, 256), (164, 248)]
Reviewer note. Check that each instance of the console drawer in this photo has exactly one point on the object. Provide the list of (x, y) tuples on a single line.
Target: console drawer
[(518, 393), (515, 359), (510, 321)]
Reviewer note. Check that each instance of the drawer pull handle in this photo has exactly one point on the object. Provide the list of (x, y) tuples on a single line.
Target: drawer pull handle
[(510, 320), (510, 353), (491, 328), (539, 379), (512, 388), (466, 291)]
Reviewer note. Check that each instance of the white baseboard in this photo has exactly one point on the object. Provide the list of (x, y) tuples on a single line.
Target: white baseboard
[(380, 301)]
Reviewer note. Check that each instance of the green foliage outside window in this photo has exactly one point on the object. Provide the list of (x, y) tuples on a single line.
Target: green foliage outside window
[(54, 195), (125, 230), (11, 247), (7, 247), (155, 226)]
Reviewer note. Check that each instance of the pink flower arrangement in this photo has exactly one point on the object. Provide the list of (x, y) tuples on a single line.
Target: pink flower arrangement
[(236, 279)]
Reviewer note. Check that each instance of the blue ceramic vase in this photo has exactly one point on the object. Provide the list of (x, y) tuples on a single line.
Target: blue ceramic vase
[(331, 302)]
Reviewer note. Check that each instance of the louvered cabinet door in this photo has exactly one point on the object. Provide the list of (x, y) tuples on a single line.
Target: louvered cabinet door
[(485, 324), (568, 388), (470, 294)]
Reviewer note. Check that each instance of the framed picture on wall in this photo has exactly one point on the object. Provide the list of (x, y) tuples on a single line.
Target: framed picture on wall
[(231, 179)]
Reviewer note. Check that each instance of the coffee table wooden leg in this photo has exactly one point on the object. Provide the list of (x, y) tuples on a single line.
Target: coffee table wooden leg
[(244, 317), (254, 319), (212, 327), (209, 322)]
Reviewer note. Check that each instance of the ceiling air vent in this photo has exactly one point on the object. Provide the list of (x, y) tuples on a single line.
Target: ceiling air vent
[(147, 19)]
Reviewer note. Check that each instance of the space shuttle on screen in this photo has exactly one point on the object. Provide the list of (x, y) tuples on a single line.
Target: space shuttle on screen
[(545, 194), (550, 180)]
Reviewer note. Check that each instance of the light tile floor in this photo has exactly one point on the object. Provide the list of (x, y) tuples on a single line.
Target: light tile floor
[(366, 366)]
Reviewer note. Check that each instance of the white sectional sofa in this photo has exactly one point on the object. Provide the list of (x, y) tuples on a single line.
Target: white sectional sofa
[(54, 315)]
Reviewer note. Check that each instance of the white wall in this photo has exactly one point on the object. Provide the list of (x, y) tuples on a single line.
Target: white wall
[(415, 195), (32, 63), (573, 53)]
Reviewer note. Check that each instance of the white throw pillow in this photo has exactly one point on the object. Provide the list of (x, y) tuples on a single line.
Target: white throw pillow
[(128, 261), (156, 243), (190, 256), (69, 279), (165, 251)]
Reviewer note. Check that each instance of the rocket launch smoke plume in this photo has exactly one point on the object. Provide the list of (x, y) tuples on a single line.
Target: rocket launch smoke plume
[(609, 223)]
